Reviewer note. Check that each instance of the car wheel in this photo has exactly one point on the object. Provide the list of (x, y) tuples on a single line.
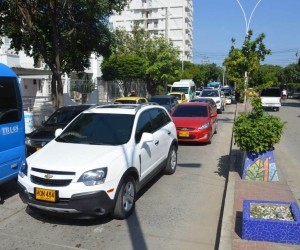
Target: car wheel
[(126, 199), (220, 111), (223, 108), (277, 109), (172, 161), (216, 130)]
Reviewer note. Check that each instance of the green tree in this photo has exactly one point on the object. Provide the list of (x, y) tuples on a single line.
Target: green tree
[(291, 73), (266, 69), (192, 71), (124, 69), (163, 64), (247, 59), (62, 33)]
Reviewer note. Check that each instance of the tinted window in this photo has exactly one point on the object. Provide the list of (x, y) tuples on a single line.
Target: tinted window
[(63, 116), (10, 100), (190, 111), (158, 118), (271, 92), (127, 101), (143, 125), (210, 93), (111, 129), (161, 101)]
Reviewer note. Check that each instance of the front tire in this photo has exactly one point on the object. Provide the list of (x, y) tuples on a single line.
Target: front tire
[(219, 111), (126, 199), (172, 161)]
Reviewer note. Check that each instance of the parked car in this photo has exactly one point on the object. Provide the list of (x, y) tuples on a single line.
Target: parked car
[(99, 162), (228, 97), (38, 138), (195, 122), (250, 92), (168, 101), (180, 96), (216, 96), (197, 93), (207, 100), (131, 100)]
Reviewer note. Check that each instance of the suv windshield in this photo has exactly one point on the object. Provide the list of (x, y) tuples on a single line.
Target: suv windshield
[(108, 129), (190, 111), (210, 93), (62, 117)]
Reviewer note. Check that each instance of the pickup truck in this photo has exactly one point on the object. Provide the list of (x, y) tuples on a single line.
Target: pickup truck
[(271, 98)]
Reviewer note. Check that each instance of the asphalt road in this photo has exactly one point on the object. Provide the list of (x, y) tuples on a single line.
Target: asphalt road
[(180, 211)]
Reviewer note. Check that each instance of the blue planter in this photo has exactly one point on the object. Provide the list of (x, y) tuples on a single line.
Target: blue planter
[(279, 231), (260, 167)]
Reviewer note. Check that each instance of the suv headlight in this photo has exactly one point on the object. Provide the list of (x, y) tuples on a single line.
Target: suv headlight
[(204, 126), (93, 177), (28, 141), (23, 169)]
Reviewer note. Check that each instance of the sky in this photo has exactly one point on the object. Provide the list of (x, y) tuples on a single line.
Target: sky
[(217, 21)]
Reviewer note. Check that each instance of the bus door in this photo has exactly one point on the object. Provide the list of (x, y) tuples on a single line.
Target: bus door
[(12, 128)]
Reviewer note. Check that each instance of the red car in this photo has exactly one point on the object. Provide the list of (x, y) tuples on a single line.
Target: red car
[(195, 122)]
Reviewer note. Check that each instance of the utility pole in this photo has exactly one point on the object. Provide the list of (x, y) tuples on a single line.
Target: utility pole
[(297, 56), (166, 24), (205, 59)]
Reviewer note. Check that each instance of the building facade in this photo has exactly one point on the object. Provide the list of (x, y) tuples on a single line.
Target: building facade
[(172, 18)]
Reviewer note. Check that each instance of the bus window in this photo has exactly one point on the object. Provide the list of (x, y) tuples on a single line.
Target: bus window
[(12, 128)]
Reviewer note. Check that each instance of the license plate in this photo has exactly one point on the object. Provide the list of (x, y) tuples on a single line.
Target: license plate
[(45, 194), (184, 134)]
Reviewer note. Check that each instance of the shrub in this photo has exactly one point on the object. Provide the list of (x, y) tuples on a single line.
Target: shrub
[(257, 131)]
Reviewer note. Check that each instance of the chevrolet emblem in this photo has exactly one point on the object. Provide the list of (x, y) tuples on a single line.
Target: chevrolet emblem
[(48, 176)]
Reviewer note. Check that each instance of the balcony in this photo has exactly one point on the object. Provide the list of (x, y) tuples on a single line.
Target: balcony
[(9, 57), (189, 6)]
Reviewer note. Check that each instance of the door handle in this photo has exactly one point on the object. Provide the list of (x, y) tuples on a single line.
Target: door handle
[(169, 132), (156, 143)]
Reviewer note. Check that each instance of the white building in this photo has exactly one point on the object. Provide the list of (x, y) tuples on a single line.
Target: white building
[(35, 80), (173, 18)]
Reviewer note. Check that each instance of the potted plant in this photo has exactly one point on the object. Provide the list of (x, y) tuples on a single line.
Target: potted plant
[(273, 221), (256, 133)]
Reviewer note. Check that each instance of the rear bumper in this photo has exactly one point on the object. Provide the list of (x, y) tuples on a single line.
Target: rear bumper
[(195, 136), (271, 105)]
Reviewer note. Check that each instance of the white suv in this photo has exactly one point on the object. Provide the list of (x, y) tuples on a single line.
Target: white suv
[(216, 96), (99, 162)]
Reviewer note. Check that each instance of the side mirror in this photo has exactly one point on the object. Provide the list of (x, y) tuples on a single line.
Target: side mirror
[(214, 114), (146, 137), (58, 132)]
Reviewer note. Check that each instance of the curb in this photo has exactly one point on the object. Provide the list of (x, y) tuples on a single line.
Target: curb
[(227, 219)]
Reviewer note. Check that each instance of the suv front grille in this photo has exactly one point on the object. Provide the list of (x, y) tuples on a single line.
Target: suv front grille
[(50, 182), (52, 172)]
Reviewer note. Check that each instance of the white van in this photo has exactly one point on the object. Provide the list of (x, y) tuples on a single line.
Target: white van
[(187, 86)]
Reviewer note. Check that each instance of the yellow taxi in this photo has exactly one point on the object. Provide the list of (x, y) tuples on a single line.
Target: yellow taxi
[(250, 92), (180, 96), (131, 100)]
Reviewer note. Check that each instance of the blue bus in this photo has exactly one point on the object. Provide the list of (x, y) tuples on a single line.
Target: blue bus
[(12, 126)]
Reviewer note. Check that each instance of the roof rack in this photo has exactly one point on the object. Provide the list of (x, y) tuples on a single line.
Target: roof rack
[(121, 105)]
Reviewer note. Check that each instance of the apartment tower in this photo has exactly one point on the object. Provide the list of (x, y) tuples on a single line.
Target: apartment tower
[(173, 18)]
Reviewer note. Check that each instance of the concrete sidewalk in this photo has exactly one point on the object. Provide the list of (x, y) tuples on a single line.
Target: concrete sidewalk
[(239, 190)]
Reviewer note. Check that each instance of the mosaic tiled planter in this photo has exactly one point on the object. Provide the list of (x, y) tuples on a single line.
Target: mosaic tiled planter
[(287, 232), (259, 167)]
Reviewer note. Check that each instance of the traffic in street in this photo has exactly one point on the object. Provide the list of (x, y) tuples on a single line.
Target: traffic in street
[(179, 211)]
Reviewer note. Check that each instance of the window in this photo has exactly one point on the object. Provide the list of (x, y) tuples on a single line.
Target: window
[(10, 100), (158, 119), (155, 24), (143, 126)]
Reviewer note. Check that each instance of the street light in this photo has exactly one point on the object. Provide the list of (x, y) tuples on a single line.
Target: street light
[(247, 34)]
